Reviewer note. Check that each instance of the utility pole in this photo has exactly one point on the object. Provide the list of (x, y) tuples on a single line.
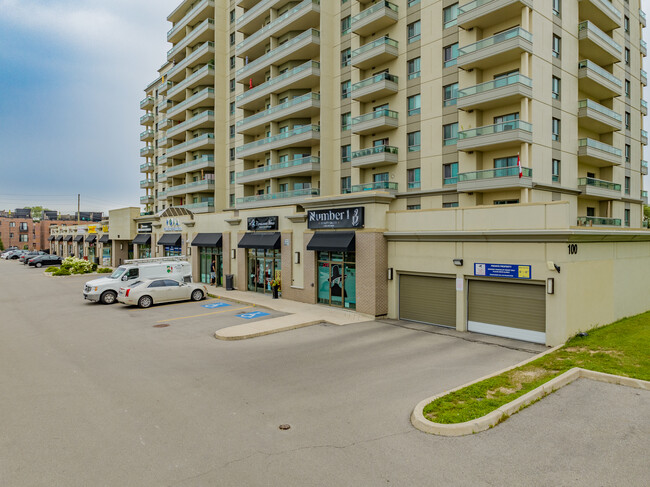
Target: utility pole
[(78, 208)]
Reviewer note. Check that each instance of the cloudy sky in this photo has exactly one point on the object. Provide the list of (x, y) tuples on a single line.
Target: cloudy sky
[(73, 74)]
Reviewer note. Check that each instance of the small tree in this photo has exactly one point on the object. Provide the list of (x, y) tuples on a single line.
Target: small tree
[(2, 246), (646, 212), (25, 247)]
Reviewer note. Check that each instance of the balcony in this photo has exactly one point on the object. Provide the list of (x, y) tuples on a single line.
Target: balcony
[(147, 151), (643, 47), (642, 18), (162, 178), (147, 119), (201, 120), (147, 103), (375, 186), (374, 122), (494, 179), (146, 200), (299, 18), (483, 13), (599, 189), (383, 155), (165, 105), (597, 46), (597, 118), (305, 166), (256, 13), (375, 87), (201, 207), (162, 89), (495, 93), (165, 142), (204, 8), (601, 12), (162, 160), (644, 107), (305, 135), (304, 46), (146, 183), (644, 197), (598, 154), (165, 124), (203, 162), (305, 76), (644, 168), (193, 187), (204, 98), (277, 199), (204, 76), (202, 54), (501, 48), (643, 76), (146, 136), (305, 106), (500, 135), (375, 53), (205, 141), (644, 137), (201, 33), (596, 221), (146, 167), (597, 82), (381, 15)]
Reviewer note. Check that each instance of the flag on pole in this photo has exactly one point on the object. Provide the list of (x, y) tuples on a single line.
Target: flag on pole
[(519, 165)]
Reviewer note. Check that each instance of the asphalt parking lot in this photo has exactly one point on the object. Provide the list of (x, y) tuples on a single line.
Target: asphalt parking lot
[(101, 395)]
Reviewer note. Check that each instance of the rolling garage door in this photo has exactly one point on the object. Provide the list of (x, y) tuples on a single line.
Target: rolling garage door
[(512, 310), (427, 300)]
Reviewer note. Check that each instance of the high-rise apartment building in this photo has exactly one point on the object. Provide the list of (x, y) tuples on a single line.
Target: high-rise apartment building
[(428, 160)]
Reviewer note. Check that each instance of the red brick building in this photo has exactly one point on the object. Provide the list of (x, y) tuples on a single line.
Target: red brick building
[(21, 232)]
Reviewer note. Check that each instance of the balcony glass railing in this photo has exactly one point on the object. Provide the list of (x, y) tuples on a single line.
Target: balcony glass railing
[(182, 45), (374, 79), (496, 83), (187, 81), (278, 79), (193, 98), (192, 120), (187, 16), (146, 213), (200, 138), (495, 129), (450, 180), (599, 183), (369, 11), (282, 106), (254, 10), (413, 185), (200, 50), (468, 7), (596, 220), (189, 187), (271, 25), (642, 15), (608, 5), (496, 39), (147, 150), (644, 163), (373, 115), (284, 47), (377, 185), (591, 27), (285, 135), (146, 199), (144, 182), (643, 73), (146, 166), (644, 104), (644, 194), (197, 206), (380, 149), (146, 134), (499, 172), (644, 44), (644, 133), (147, 101), (296, 193), (596, 144), (147, 117), (282, 165), (605, 74), (187, 166), (599, 108), (371, 45)]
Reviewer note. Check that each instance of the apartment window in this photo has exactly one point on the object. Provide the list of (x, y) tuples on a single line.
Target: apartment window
[(12, 224), (450, 54), (452, 204), (627, 184), (450, 173), (449, 16), (413, 32), (283, 188), (232, 153), (11, 235), (232, 16), (232, 107), (626, 24), (413, 104), (345, 25), (591, 211), (555, 130), (346, 55), (413, 141), (232, 62), (412, 2), (23, 238), (345, 89), (413, 68), (413, 178), (557, 7), (555, 170), (346, 153), (232, 177), (626, 214), (450, 133), (627, 120), (628, 149), (557, 45), (346, 119), (555, 88), (627, 56), (413, 207), (346, 184), (503, 162), (506, 202), (449, 94), (627, 88), (232, 85), (232, 131), (23, 226), (231, 200), (381, 177), (232, 39)]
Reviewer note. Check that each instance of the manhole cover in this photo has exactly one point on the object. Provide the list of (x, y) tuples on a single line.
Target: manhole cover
[(285, 426), (162, 325)]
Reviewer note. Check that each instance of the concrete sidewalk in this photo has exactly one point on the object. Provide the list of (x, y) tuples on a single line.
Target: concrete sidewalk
[(299, 315)]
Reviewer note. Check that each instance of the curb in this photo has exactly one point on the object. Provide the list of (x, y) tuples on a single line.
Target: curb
[(497, 416), (265, 332)]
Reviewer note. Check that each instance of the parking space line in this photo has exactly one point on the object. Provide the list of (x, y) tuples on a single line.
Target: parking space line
[(167, 305), (202, 314)]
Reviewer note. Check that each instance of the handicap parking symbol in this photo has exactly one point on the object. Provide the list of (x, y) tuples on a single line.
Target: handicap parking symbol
[(251, 315), (215, 305)]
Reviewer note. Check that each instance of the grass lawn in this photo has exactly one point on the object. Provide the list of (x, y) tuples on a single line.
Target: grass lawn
[(622, 348)]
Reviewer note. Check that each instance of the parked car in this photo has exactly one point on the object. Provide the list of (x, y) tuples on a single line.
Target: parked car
[(15, 254), (45, 260), (28, 255), (146, 292)]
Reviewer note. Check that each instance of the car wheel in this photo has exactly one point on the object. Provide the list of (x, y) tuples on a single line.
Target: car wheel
[(108, 297), (38, 264), (197, 295), (145, 301)]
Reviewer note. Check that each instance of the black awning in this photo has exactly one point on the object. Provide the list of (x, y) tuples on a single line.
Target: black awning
[(79, 238), (59, 238), (334, 241), (91, 238), (207, 240), (171, 239), (67, 238), (104, 238), (142, 239), (51, 237), (260, 241)]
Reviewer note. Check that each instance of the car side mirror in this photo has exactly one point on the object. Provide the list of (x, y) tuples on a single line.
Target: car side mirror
[(125, 278)]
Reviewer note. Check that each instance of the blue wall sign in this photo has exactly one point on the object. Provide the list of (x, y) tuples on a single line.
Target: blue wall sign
[(215, 305), (510, 271), (252, 314)]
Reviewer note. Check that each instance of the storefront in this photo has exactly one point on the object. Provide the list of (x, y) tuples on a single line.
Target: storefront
[(59, 245), (210, 250), (70, 246), (143, 241), (336, 261), (79, 241), (90, 241), (171, 243), (106, 249), (51, 239), (263, 256)]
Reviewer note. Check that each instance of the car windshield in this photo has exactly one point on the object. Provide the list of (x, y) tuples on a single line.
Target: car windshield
[(117, 273)]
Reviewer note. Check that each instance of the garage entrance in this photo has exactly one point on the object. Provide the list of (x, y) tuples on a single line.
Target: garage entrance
[(427, 299), (512, 310)]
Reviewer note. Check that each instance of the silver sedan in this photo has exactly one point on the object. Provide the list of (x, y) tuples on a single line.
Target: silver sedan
[(146, 292)]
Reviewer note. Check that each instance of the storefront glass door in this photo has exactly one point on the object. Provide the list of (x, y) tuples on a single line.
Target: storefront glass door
[(207, 254), (337, 284), (263, 267), (144, 251)]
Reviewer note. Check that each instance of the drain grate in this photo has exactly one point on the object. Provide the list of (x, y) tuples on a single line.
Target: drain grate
[(162, 325)]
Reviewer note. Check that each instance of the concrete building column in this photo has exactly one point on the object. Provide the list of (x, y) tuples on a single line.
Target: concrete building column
[(372, 273)]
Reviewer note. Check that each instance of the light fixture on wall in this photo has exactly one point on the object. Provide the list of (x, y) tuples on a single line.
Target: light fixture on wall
[(233, 253), (550, 285), (458, 262), (390, 273), (296, 257), (552, 266)]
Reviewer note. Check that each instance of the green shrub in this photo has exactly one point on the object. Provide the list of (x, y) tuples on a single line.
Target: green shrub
[(104, 270), (51, 269), (77, 266), (61, 272)]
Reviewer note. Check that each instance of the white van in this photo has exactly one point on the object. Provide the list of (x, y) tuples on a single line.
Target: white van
[(105, 289)]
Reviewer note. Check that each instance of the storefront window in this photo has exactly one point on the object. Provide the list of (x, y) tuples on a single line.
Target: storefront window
[(144, 251), (106, 255), (206, 256), (172, 251), (337, 279), (264, 265)]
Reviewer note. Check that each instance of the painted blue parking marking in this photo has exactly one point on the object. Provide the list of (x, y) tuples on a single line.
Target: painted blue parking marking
[(215, 305), (252, 314)]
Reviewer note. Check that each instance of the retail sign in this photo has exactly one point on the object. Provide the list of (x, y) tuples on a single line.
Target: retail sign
[(144, 228), (337, 218), (92, 228), (256, 223), (104, 228), (172, 225), (510, 271)]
